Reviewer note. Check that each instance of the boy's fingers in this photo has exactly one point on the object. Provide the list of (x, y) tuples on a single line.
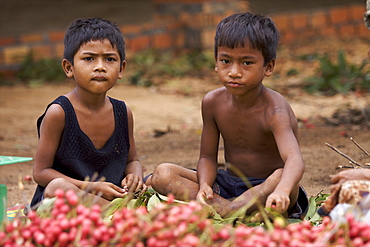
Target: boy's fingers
[(210, 195)]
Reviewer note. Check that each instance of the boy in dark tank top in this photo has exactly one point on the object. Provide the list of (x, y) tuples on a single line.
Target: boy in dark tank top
[(85, 132)]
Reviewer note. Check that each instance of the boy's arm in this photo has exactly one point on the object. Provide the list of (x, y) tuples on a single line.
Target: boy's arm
[(284, 129), (51, 130), (207, 164), (134, 171)]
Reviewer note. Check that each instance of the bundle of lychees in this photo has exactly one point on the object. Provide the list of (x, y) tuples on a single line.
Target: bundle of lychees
[(71, 223)]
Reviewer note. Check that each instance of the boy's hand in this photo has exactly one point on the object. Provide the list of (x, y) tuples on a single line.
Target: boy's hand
[(132, 183), (106, 190), (279, 201), (204, 193)]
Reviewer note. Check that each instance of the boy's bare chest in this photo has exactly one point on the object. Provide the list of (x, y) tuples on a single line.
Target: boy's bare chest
[(243, 128)]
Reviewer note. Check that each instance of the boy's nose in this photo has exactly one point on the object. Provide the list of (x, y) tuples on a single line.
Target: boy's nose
[(235, 72), (99, 66)]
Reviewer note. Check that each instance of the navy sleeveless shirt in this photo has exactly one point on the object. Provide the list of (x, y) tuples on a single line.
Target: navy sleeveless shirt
[(77, 156)]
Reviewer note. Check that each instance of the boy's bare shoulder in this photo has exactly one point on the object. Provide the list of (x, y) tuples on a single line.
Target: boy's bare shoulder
[(275, 99), (215, 94), (278, 108)]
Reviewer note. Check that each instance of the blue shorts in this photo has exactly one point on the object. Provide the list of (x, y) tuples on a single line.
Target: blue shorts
[(229, 186)]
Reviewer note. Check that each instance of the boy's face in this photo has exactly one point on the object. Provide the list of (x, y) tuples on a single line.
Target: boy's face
[(241, 69), (97, 66)]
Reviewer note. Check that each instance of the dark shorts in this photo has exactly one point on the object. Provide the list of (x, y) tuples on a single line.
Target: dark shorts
[(229, 186)]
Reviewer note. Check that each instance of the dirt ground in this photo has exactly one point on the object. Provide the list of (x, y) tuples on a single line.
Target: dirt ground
[(173, 108)]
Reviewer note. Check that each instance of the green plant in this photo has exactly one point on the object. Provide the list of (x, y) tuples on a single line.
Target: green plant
[(45, 69), (153, 63), (341, 77)]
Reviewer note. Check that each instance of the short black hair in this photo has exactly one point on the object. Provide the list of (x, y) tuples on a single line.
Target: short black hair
[(81, 31), (247, 29)]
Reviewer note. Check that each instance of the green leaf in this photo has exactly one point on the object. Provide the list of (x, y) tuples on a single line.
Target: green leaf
[(342, 64), (45, 208), (153, 202), (293, 221), (315, 217), (132, 204), (165, 198), (113, 206), (311, 208)]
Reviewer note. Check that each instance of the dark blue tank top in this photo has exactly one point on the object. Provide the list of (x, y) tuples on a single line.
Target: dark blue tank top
[(77, 156)]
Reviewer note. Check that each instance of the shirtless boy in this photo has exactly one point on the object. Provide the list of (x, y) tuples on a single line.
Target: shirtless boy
[(258, 127)]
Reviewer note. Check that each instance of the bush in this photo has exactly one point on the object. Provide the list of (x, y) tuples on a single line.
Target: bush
[(154, 63), (341, 77), (45, 69)]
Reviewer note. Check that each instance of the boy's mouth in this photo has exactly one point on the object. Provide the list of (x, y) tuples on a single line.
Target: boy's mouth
[(233, 84), (99, 78)]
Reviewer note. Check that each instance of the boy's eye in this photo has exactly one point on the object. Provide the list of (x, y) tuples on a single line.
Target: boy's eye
[(247, 62), (111, 59), (225, 61), (88, 58)]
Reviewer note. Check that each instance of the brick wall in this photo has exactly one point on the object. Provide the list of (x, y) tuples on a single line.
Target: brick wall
[(340, 22), (190, 24)]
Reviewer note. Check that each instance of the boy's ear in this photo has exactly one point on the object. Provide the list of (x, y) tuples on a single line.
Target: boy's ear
[(216, 68), (67, 67), (269, 68), (123, 67)]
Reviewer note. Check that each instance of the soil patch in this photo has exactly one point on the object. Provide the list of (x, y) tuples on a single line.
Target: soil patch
[(168, 120)]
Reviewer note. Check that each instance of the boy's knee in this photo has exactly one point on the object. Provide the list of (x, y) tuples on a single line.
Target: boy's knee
[(162, 173), (57, 183)]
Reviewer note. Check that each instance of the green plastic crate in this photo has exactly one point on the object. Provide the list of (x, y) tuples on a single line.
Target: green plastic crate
[(6, 160)]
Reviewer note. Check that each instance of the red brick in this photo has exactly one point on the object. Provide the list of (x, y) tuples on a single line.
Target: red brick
[(299, 21), (42, 51), (328, 32), (177, 1), (339, 15), (363, 31), (347, 31), (138, 43), (185, 17), (149, 26), (307, 34), (15, 55), (162, 40), (56, 36), (164, 17), (130, 29), (218, 18), (319, 19), (59, 50), (207, 37), (1, 59), (7, 41), (207, 20), (31, 38), (287, 37), (357, 12), (8, 73), (175, 25), (282, 22), (179, 39)]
